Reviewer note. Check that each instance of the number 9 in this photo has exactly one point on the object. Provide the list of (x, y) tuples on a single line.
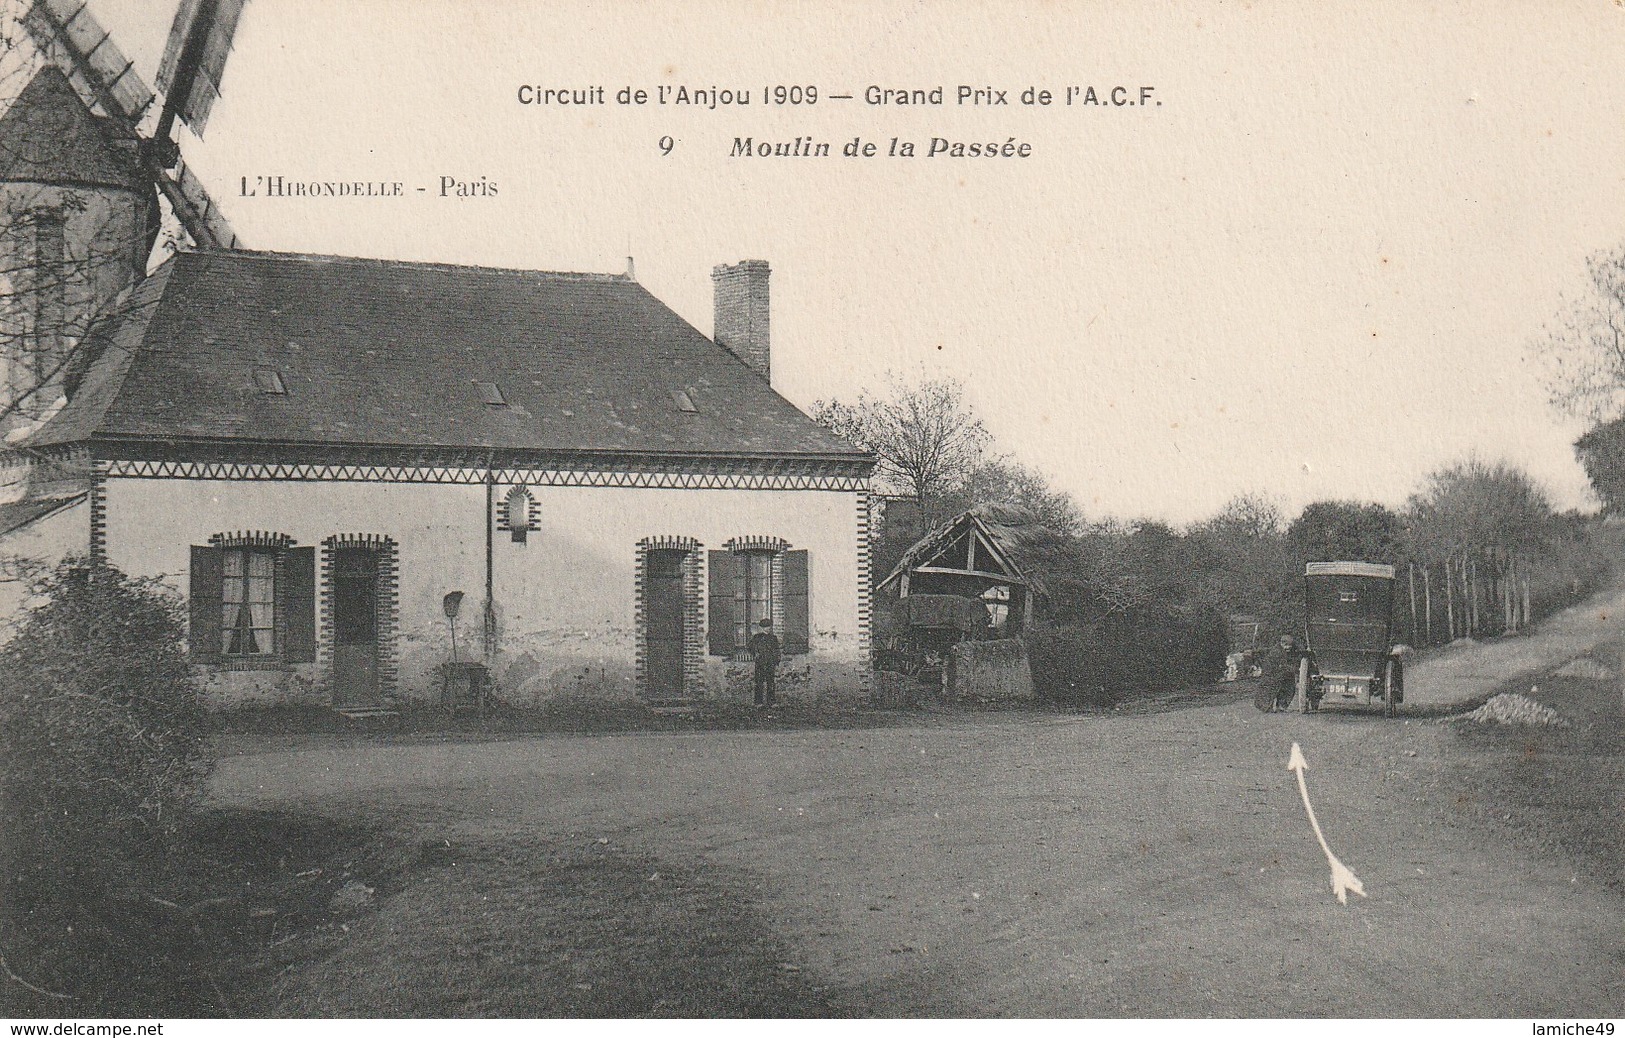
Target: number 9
[(667, 144)]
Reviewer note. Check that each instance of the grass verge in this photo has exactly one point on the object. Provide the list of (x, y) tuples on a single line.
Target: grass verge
[(1553, 789), (270, 914)]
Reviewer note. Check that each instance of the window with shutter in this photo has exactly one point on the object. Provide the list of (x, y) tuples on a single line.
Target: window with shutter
[(298, 605), (719, 566), (248, 603), (753, 595), (757, 578), (252, 601)]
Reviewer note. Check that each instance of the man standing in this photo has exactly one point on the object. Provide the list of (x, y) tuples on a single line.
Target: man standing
[(764, 649)]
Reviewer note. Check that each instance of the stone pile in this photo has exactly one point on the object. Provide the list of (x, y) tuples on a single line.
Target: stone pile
[(1584, 668)]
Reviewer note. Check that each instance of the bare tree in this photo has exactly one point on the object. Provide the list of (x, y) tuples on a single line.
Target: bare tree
[(926, 439), (1485, 525), (1583, 347), (1004, 480)]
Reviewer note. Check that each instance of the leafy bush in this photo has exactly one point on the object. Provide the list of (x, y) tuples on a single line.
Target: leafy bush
[(1100, 665), (101, 734), (1176, 653), (1068, 665)]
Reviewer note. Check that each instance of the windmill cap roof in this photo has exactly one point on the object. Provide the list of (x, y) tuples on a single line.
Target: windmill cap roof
[(49, 136)]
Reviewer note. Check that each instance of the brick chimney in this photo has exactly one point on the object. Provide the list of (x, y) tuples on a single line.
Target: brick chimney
[(740, 317)]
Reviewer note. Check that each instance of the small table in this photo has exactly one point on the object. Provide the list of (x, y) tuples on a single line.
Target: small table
[(464, 686)]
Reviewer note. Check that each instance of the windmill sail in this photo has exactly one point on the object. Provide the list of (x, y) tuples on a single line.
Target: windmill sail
[(70, 36), (94, 60), (195, 67), (203, 208)]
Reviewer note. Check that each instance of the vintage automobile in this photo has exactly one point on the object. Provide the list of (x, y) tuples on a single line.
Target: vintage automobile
[(1350, 656)]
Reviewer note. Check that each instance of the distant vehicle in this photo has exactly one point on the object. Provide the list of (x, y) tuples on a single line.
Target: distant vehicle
[(1350, 658), (1246, 646)]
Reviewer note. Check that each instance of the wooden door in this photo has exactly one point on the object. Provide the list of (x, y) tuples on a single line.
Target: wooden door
[(663, 624), (354, 605)]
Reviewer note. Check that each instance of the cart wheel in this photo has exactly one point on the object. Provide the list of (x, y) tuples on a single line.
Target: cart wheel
[(1303, 685), (1389, 706)]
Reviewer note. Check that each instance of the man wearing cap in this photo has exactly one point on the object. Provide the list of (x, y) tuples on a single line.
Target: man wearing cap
[(764, 649)]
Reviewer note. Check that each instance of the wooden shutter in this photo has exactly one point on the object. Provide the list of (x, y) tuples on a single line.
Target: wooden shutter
[(795, 602), (720, 576), (203, 602), (739, 567), (298, 605)]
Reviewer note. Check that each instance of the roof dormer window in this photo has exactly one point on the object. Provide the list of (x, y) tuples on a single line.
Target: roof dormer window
[(269, 381)]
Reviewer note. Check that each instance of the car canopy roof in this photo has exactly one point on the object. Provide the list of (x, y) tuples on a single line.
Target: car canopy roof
[(1349, 569)]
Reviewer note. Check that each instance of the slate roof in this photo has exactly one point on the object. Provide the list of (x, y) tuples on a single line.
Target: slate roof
[(14, 515), (387, 353), (48, 135)]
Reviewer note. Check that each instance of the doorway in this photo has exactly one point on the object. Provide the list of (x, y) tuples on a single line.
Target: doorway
[(663, 624), (354, 604)]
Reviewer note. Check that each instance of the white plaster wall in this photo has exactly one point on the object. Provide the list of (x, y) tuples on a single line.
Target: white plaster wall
[(152, 524), (565, 599), (37, 547)]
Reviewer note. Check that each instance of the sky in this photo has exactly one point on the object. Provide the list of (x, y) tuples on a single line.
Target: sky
[(1313, 266)]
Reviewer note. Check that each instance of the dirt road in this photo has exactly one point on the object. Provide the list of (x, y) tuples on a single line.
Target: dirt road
[(1040, 866)]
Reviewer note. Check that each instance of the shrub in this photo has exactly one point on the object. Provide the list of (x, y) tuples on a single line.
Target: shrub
[(1177, 653), (101, 734), (1068, 665)]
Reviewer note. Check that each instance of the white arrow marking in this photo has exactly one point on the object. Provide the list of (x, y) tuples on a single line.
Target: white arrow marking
[(1343, 880)]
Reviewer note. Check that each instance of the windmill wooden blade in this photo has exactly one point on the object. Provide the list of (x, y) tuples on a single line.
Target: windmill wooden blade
[(93, 58), (203, 208), (202, 84)]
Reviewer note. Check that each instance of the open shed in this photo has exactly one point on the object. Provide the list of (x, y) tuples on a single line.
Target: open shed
[(988, 554)]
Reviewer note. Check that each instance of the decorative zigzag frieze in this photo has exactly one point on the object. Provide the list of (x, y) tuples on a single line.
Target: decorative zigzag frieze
[(299, 472)]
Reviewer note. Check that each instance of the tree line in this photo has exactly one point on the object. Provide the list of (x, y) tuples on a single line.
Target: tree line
[(1478, 548)]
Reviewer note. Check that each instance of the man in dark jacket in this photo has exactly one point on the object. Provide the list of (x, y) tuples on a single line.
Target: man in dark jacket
[(1278, 685), (764, 649)]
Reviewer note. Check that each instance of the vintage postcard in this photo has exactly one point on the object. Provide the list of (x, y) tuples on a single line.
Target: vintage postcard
[(811, 510)]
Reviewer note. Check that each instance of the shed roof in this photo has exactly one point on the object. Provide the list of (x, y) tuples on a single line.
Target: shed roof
[(388, 353), (1014, 532)]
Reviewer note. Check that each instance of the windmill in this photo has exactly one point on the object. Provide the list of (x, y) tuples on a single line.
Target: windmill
[(189, 77)]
